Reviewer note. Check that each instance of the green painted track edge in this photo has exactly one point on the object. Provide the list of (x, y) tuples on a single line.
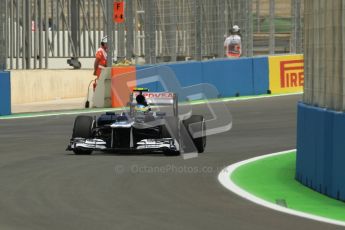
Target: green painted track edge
[(281, 185)]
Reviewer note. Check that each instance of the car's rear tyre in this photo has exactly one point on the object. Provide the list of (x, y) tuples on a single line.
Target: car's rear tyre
[(198, 126), (83, 128)]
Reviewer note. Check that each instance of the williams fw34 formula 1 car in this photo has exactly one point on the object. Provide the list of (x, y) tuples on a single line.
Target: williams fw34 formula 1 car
[(144, 128)]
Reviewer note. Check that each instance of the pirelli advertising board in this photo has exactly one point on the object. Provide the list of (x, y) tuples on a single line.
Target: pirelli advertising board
[(286, 74)]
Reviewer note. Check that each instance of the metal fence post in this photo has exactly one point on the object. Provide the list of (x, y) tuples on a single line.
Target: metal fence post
[(17, 31), (110, 30), (22, 23), (35, 45), (46, 44), (119, 46), (258, 22), (198, 29), (28, 38), (272, 27), (222, 28), (149, 27), (247, 37), (296, 31), (172, 29), (3, 38), (299, 35), (250, 29), (293, 27), (129, 28), (243, 14), (75, 27)]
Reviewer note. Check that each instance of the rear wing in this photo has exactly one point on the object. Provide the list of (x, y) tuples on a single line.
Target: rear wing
[(155, 98)]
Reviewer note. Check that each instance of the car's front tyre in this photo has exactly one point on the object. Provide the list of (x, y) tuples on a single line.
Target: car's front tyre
[(83, 128)]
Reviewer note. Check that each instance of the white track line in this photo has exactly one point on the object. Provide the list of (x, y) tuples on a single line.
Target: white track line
[(224, 178)]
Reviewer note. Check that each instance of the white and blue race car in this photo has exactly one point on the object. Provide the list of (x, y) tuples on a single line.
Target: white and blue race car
[(145, 128)]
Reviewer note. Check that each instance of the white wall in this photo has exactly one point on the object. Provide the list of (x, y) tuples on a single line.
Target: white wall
[(44, 85)]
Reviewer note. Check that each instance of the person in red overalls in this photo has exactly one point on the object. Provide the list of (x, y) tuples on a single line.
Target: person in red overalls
[(101, 57), (101, 60)]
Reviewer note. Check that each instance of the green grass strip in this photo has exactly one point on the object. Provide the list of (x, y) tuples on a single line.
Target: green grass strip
[(272, 179), (100, 110), (58, 113)]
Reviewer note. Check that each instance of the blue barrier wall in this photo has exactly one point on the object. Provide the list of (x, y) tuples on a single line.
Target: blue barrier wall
[(260, 75), (5, 93), (231, 77), (188, 73), (321, 150)]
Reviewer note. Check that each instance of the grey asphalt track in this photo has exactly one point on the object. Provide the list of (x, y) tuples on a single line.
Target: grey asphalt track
[(44, 187)]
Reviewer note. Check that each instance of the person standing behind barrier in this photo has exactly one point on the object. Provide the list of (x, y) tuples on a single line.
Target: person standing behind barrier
[(101, 57), (232, 44)]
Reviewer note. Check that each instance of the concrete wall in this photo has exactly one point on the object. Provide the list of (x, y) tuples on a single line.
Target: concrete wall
[(320, 150), (235, 77), (321, 118), (44, 85), (324, 54), (231, 77)]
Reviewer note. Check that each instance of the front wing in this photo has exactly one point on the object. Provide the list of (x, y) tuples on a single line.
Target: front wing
[(146, 145)]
